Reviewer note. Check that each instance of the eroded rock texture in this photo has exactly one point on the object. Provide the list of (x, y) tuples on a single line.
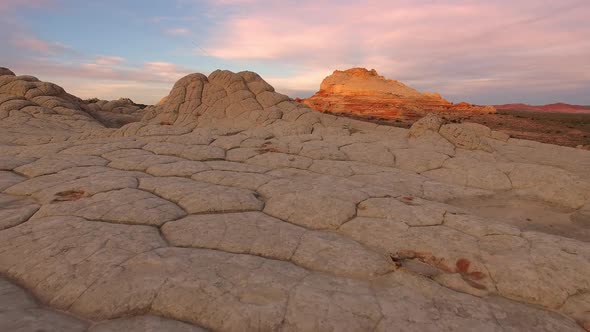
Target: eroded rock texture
[(45, 111), (362, 92), (231, 207)]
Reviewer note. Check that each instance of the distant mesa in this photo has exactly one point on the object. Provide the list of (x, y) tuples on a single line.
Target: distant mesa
[(550, 108), (364, 92)]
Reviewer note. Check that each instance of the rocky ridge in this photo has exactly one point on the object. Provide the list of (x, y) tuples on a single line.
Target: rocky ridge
[(231, 207), (363, 92)]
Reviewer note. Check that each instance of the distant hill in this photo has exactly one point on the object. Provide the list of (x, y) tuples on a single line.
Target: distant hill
[(555, 108)]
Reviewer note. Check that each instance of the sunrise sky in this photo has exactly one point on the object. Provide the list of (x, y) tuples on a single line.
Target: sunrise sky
[(485, 52)]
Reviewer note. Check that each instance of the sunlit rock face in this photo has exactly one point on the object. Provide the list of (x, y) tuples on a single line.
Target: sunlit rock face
[(230, 207), (363, 92)]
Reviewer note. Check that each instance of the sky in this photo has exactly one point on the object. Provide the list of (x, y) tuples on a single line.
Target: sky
[(480, 51)]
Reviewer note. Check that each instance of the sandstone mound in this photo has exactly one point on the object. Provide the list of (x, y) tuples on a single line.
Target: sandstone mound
[(231, 207), (363, 92), (241, 100), (28, 105), (114, 113)]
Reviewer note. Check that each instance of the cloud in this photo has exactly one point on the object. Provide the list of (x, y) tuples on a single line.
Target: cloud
[(11, 5), (158, 72), (39, 46), (142, 92), (302, 84), (105, 77), (77, 71), (165, 71), (474, 50), (461, 48), (177, 31), (253, 38), (106, 60)]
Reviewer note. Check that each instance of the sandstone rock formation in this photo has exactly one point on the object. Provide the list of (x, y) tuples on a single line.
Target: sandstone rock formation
[(365, 93), (42, 107), (231, 207), (114, 113)]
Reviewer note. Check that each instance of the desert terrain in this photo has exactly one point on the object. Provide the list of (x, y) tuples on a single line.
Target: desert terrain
[(549, 108), (365, 95), (231, 207)]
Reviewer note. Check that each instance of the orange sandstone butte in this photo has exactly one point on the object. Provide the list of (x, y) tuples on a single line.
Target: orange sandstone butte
[(365, 93)]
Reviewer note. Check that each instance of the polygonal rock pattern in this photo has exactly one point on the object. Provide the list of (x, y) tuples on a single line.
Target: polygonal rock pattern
[(234, 179), (61, 256), (332, 253), (119, 206), (467, 136), (76, 182), (429, 122), (179, 168), (137, 160), (472, 173), (200, 197), (10, 162), (230, 207), (366, 152), (276, 160), (8, 179), (15, 210), (419, 160), (147, 323), (246, 232), (311, 210), (195, 152), (20, 312), (55, 164)]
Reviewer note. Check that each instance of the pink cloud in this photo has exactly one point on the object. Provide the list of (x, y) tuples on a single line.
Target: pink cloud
[(34, 44), (157, 72), (9, 5), (177, 31), (447, 46), (108, 77), (165, 71), (143, 92), (455, 47), (106, 60), (255, 38)]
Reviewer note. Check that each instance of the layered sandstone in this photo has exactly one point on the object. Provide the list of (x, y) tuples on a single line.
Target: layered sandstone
[(363, 92), (230, 207)]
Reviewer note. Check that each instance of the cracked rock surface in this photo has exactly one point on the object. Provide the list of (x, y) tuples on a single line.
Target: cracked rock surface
[(230, 207)]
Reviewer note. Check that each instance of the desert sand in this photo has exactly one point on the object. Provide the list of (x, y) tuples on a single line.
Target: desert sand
[(230, 207)]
